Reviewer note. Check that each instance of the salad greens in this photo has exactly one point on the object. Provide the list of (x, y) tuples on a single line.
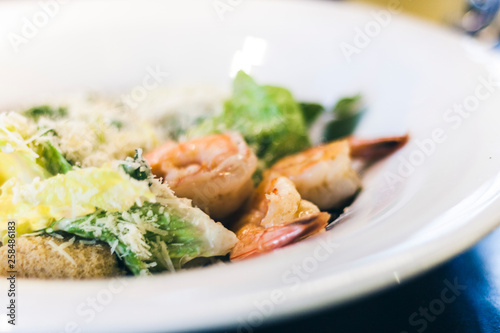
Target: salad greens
[(51, 159), (348, 106), (347, 114), (137, 167), (166, 240), (20, 165), (143, 222), (78, 192), (47, 111), (27, 158), (311, 112), (268, 117), (153, 236), (273, 123), (17, 159)]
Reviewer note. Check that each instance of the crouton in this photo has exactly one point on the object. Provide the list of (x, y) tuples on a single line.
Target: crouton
[(42, 257)]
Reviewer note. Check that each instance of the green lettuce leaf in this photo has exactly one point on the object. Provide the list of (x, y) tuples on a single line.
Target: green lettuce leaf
[(311, 112), (51, 159), (348, 112), (167, 239), (268, 117), (47, 111)]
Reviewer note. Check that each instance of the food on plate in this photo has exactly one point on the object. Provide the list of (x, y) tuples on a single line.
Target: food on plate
[(375, 149), (214, 171), (51, 257), (92, 188), (325, 175), (275, 216), (155, 235), (268, 117)]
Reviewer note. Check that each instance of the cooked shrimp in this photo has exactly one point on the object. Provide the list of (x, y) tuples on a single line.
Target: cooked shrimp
[(214, 171), (374, 149), (324, 174), (275, 216)]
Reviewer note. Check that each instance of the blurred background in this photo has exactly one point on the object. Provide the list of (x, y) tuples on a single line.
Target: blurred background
[(475, 17)]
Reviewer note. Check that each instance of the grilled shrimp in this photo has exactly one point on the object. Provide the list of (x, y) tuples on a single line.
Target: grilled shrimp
[(324, 174), (275, 216), (214, 171), (375, 149)]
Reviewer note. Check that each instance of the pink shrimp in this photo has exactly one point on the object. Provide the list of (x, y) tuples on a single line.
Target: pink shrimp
[(276, 216), (374, 149), (214, 171), (324, 174)]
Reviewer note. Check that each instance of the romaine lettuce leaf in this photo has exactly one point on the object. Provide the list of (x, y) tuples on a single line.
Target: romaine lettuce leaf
[(78, 192), (51, 159), (268, 117), (154, 237)]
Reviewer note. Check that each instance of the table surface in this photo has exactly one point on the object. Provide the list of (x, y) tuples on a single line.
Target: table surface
[(461, 295)]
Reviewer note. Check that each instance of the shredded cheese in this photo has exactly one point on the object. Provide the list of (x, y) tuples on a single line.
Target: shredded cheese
[(166, 257), (68, 243), (35, 234), (87, 242), (61, 251), (113, 246)]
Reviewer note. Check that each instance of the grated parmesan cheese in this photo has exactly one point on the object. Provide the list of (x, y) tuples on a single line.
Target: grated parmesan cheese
[(61, 251), (166, 257), (36, 233), (153, 229), (87, 242), (68, 243), (113, 246)]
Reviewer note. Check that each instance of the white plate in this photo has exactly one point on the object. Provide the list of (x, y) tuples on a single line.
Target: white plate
[(411, 73)]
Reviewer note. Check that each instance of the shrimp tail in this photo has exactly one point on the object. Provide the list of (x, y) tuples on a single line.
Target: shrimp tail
[(257, 241), (375, 149)]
